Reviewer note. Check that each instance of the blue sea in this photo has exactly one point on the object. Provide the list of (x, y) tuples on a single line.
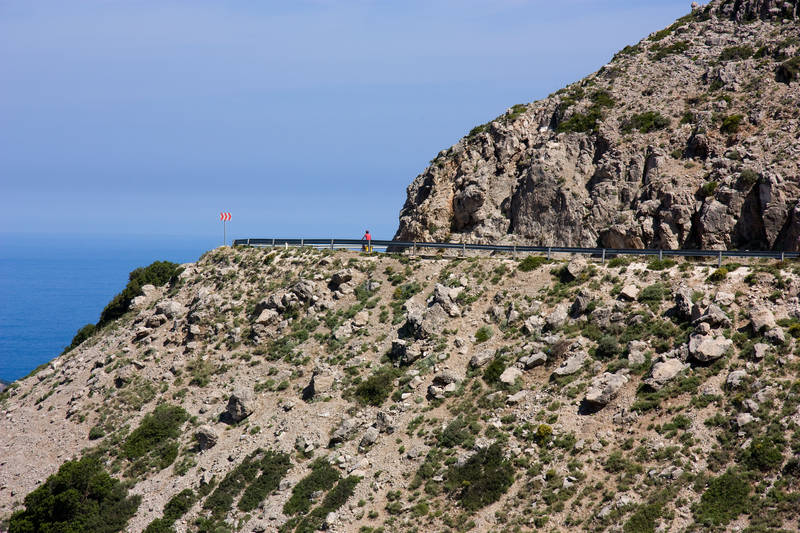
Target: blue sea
[(52, 285)]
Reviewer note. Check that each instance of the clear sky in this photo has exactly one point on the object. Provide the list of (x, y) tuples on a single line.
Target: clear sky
[(301, 117)]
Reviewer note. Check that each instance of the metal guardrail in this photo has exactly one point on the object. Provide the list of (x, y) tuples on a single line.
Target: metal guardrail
[(414, 247)]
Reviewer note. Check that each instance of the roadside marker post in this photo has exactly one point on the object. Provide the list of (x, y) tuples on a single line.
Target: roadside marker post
[(224, 217)]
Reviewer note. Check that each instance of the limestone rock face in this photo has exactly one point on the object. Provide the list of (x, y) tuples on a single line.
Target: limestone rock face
[(205, 437), (546, 173), (706, 348)]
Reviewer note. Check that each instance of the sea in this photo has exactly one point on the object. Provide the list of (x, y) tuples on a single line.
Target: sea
[(52, 285)]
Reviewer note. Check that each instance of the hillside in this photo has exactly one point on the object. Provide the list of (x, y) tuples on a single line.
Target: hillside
[(284, 390), (688, 138)]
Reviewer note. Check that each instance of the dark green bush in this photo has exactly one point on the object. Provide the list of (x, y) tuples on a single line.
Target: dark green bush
[(608, 347), (660, 264), (155, 429), (483, 334), (84, 333), (273, 467), (748, 178), (726, 497), (493, 370), (81, 496), (375, 389), (177, 506), (763, 455), (660, 52), (481, 480), (221, 500), (645, 122), (160, 525), (582, 122), (337, 497), (718, 275), (532, 262), (708, 189), (459, 432), (322, 477), (652, 293), (731, 123), (735, 53), (158, 274)]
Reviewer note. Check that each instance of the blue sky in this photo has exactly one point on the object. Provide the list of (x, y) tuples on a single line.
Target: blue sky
[(302, 118)]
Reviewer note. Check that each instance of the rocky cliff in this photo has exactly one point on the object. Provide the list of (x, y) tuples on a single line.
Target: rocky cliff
[(687, 139), (293, 390)]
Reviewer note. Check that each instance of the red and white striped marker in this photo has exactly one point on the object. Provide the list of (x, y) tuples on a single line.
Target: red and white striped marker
[(224, 217)]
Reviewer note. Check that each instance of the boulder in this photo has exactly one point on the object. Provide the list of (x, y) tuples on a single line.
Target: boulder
[(604, 388), (240, 406), (517, 398), (629, 293), (426, 323), (664, 371), (683, 304), (384, 422), (305, 291), (446, 297), (370, 437), (170, 308), (572, 364), (557, 317), (406, 353), (205, 437), (736, 379), (445, 378), (266, 317), (775, 335), (481, 358), (715, 317), (533, 360), (533, 325), (344, 432), (580, 305), (510, 375), (760, 350), (636, 353), (361, 319), (155, 321), (575, 267), (762, 319), (706, 348), (340, 277)]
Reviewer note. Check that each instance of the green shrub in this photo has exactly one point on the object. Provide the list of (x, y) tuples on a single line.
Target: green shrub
[(483, 334), (735, 53), (160, 525), (718, 275), (645, 122), (708, 189), (481, 480), (322, 477), (84, 333), (375, 389), (155, 430), (660, 264), (337, 497), (763, 455), (273, 466), (459, 432), (81, 496), (532, 262), (660, 52), (748, 177), (726, 497), (652, 293), (158, 274), (493, 370), (608, 347), (96, 432), (581, 122), (731, 123), (620, 261), (178, 505)]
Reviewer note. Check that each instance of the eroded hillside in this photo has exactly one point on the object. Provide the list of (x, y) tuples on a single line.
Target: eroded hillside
[(687, 139), (294, 389)]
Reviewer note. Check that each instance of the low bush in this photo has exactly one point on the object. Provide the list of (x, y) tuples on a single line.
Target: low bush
[(652, 294), (81, 496), (608, 347), (322, 477), (273, 467), (337, 497), (708, 189), (483, 334), (788, 71), (493, 370), (531, 262), (731, 124), (481, 480), (763, 455), (726, 497), (718, 275), (736, 53), (158, 273), (748, 178), (645, 122), (661, 264), (660, 52), (84, 333), (375, 389), (459, 432), (155, 431)]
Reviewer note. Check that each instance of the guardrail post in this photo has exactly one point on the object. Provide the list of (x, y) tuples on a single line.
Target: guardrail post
[(604, 256), (463, 249), (273, 243), (515, 251), (301, 242), (548, 253), (331, 244), (782, 254), (660, 254), (719, 259), (414, 250), (248, 242)]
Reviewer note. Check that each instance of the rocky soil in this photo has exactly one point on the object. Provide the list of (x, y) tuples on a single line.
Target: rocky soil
[(687, 139), (576, 395)]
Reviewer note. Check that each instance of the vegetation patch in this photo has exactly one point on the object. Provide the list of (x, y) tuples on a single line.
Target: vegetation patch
[(726, 497), (158, 274), (333, 500), (321, 478), (532, 262), (788, 71), (481, 480), (731, 124), (736, 53), (645, 122), (81, 496), (155, 438), (375, 389)]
